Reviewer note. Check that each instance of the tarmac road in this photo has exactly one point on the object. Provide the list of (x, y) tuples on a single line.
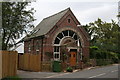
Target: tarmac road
[(99, 73)]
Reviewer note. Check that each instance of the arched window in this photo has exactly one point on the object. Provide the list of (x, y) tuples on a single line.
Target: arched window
[(59, 37), (66, 33)]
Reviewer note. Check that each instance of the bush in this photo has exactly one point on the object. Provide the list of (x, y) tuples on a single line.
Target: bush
[(114, 57), (12, 78), (69, 69), (102, 62)]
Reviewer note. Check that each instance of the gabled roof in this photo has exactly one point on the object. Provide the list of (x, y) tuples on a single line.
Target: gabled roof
[(47, 24)]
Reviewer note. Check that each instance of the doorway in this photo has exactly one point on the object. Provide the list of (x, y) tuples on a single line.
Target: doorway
[(72, 57)]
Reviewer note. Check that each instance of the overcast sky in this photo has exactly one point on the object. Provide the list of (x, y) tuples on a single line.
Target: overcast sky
[(86, 11)]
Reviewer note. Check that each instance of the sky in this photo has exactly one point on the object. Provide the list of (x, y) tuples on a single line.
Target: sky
[(86, 11)]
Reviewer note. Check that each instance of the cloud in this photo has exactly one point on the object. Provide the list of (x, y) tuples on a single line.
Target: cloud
[(106, 13), (78, 0), (84, 11)]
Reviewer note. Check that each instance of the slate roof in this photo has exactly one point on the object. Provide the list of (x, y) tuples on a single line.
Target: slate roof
[(46, 24)]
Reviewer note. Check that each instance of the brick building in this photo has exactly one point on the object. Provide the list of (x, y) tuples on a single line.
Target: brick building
[(59, 37)]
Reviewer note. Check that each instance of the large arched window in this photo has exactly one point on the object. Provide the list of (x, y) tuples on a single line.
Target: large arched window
[(66, 33), (60, 37)]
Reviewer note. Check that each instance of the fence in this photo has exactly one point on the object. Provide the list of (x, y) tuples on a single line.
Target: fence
[(8, 63), (47, 66), (29, 62)]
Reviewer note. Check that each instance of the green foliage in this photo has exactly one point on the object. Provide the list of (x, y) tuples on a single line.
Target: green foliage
[(94, 51), (114, 57), (99, 54), (104, 35), (94, 47), (16, 20), (103, 62), (104, 41), (12, 78), (69, 69)]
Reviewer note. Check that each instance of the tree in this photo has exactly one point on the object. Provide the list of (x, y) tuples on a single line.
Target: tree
[(104, 35), (16, 20)]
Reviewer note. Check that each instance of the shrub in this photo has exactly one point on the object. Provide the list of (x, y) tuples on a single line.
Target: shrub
[(69, 69), (12, 78), (102, 62)]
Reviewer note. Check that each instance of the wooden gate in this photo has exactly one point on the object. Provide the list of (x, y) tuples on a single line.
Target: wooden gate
[(8, 63)]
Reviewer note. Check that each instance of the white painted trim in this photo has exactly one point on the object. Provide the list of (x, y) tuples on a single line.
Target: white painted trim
[(58, 38), (68, 33), (73, 35), (63, 34), (64, 38), (56, 53)]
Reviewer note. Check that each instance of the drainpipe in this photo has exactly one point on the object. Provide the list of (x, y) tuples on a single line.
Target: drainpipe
[(41, 52), (42, 49)]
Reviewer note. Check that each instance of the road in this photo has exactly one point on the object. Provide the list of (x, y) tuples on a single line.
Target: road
[(96, 73)]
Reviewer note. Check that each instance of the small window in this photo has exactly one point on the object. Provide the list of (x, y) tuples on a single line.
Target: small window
[(68, 20), (37, 45), (37, 52), (29, 47)]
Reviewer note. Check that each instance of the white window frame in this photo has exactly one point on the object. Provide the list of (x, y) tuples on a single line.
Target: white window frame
[(57, 59), (37, 44), (29, 47)]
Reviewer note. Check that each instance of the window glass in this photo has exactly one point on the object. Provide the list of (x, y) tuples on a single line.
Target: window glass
[(65, 33), (75, 37), (60, 35), (71, 33), (68, 20), (37, 52), (56, 55), (56, 49), (57, 41), (29, 47)]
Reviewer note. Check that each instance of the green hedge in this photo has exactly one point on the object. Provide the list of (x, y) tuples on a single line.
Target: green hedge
[(102, 62), (96, 53)]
